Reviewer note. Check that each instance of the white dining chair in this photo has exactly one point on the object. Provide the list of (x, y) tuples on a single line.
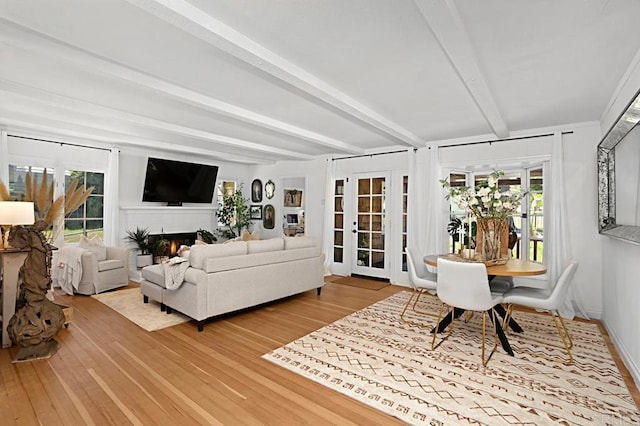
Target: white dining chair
[(466, 286), (546, 300), (422, 282)]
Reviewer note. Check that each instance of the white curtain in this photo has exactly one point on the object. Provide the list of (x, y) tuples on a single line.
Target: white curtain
[(111, 199), (4, 159), (434, 215), (557, 239), (416, 202), (327, 237)]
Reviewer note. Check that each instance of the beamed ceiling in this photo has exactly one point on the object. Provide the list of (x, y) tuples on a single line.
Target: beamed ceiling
[(260, 81)]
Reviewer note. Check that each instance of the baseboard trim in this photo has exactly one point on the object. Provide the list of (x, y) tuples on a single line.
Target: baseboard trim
[(627, 359)]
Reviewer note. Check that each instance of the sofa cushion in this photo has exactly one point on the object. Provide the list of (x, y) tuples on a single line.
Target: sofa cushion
[(154, 274), (94, 245), (259, 259), (107, 265), (261, 246), (291, 243), (199, 253)]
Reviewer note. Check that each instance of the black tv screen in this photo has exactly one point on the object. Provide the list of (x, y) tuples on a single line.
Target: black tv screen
[(177, 182)]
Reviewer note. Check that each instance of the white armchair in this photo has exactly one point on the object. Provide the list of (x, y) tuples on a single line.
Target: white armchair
[(102, 274)]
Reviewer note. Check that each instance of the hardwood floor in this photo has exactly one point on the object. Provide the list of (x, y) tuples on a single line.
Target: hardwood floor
[(110, 371)]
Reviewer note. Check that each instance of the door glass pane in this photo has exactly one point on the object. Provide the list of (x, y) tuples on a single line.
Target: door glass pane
[(377, 241), (364, 187), (363, 258), (364, 222), (376, 204), (376, 222), (364, 204), (338, 221), (378, 186), (377, 259)]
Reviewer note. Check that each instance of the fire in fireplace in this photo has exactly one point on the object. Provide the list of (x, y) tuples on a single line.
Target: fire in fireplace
[(175, 240)]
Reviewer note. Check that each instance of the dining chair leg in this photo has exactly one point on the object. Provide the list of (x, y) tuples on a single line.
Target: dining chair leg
[(561, 328), (564, 334), (495, 336), (415, 295), (435, 333)]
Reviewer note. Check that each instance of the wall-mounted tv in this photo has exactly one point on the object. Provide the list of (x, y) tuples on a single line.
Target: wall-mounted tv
[(177, 182)]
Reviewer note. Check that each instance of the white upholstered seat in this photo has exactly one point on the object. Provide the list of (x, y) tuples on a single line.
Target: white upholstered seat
[(421, 281), (466, 286), (547, 300)]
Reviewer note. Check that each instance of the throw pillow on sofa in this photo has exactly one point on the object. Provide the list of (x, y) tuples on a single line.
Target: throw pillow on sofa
[(246, 236), (94, 245)]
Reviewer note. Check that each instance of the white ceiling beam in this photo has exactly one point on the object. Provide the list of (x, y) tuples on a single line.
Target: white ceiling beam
[(58, 101), (34, 122), (443, 19), (196, 22), (43, 45)]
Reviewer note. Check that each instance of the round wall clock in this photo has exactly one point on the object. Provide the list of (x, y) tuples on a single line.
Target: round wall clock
[(269, 189)]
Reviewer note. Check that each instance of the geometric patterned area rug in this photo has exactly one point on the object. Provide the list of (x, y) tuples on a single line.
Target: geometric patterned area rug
[(129, 304), (375, 358)]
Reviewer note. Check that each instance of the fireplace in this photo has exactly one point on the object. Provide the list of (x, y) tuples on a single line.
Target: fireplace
[(175, 241)]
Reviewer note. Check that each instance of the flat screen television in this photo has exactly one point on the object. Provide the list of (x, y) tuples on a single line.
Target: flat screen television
[(177, 182)]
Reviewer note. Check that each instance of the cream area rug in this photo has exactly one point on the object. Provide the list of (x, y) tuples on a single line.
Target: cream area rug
[(128, 303), (375, 358)]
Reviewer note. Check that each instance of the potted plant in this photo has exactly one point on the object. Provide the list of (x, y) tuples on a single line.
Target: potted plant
[(158, 249), (140, 237), (234, 213)]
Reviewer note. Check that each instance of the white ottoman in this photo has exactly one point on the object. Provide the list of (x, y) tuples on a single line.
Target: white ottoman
[(152, 284)]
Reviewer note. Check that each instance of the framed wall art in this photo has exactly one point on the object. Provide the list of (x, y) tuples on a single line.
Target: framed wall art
[(292, 198), (269, 189), (256, 191), (255, 212), (269, 219)]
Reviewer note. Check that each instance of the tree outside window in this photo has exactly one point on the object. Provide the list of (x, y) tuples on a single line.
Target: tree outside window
[(88, 219)]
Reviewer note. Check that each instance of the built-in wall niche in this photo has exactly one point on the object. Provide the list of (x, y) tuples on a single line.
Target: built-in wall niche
[(293, 195)]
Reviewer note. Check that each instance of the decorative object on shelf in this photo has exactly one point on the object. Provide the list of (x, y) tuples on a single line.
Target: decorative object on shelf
[(269, 189), (37, 318), (268, 222), (140, 237), (491, 208), (255, 212), (256, 191), (292, 198)]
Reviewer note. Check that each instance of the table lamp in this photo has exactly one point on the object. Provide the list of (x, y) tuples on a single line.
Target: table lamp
[(14, 213)]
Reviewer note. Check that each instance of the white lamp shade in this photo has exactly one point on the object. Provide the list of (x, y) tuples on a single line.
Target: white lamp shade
[(16, 213)]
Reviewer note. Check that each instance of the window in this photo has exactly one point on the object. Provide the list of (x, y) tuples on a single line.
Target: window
[(528, 226), (88, 219)]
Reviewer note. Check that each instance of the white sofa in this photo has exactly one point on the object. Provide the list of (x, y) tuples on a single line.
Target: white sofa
[(224, 278)]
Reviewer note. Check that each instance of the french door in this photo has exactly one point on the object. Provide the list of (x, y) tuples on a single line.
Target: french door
[(369, 227)]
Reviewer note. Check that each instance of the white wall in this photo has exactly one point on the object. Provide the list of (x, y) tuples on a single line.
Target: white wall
[(620, 266), (157, 216), (313, 173)]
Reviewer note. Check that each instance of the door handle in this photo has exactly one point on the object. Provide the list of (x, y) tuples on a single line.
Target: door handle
[(354, 231)]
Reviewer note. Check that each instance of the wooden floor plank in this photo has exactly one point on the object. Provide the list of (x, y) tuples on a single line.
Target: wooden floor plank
[(110, 371)]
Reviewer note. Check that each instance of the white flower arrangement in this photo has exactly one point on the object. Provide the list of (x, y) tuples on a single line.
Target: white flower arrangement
[(485, 200)]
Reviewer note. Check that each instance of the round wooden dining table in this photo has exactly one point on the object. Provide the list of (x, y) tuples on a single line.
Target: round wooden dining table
[(513, 268)]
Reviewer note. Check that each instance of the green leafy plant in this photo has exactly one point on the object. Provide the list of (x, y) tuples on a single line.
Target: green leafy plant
[(139, 237), (158, 247), (234, 213), (453, 228), (207, 236)]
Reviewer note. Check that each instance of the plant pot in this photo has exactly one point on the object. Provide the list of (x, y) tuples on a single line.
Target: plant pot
[(143, 260)]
